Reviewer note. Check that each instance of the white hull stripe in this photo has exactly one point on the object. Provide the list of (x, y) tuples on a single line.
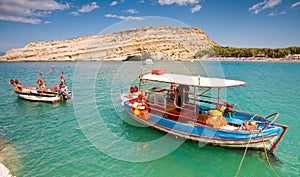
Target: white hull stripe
[(39, 98)]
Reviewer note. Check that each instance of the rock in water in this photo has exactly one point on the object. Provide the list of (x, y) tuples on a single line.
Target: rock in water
[(4, 172), (9, 159)]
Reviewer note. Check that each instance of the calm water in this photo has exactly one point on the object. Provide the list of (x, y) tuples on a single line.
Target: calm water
[(92, 136)]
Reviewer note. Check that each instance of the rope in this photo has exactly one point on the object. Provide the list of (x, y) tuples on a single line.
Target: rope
[(265, 149), (266, 153), (242, 160)]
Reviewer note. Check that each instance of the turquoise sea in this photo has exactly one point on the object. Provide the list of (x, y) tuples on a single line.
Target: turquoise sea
[(91, 135)]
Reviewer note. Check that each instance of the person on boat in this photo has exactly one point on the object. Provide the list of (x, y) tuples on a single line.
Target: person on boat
[(228, 112), (172, 90), (40, 82), (183, 95), (247, 127), (18, 85), (62, 80)]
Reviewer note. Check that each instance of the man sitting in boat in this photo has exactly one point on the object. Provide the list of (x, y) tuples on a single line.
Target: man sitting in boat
[(62, 80), (41, 83), (248, 127)]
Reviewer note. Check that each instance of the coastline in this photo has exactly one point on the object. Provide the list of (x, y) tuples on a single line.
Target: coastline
[(219, 59)]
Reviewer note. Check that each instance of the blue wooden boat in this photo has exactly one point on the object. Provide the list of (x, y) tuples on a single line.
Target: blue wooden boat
[(185, 106)]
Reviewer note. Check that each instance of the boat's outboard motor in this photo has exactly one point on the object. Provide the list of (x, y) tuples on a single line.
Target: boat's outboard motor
[(65, 95)]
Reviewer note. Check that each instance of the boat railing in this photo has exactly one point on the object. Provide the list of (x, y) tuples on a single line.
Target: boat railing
[(183, 112), (208, 102), (275, 115), (165, 113), (167, 96)]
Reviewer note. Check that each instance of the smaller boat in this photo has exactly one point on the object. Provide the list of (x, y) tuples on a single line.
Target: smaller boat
[(57, 94)]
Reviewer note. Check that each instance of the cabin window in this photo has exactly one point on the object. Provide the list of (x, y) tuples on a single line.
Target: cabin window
[(157, 102), (157, 99)]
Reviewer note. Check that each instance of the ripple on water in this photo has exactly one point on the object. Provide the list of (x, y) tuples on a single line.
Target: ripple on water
[(49, 141)]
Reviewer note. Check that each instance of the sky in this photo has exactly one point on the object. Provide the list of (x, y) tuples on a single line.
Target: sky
[(235, 23)]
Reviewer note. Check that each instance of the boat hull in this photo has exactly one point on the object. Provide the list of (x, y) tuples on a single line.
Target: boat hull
[(30, 93), (29, 97), (210, 136)]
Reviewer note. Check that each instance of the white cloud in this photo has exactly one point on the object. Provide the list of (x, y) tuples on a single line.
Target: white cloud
[(114, 3), (124, 17), (272, 14), (28, 11), (266, 4), (75, 13), (295, 4), (196, 8), (88, 7), (20, 19), (132, 11), (282, 13), (178, 2)]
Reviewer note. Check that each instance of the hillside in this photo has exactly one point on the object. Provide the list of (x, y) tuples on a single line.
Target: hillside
[(156, 42)]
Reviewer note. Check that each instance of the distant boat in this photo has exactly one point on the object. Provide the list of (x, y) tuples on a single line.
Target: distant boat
[(148, 61), (31, 93), (182, 107)]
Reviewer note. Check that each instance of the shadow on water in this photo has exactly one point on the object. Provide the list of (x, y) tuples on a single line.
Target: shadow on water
[(259, 154)]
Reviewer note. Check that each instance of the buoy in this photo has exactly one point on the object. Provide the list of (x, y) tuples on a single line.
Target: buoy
[(137, 112), (11, 82), (214, 113)]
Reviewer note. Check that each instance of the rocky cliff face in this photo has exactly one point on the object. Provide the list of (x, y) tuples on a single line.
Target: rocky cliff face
[(151, 42)]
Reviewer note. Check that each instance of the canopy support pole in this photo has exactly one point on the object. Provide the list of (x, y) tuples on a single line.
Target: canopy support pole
[(195, 104), (219, 96)]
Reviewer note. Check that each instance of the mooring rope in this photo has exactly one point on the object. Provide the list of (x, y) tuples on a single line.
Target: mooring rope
[(267, 156), (242, 160)]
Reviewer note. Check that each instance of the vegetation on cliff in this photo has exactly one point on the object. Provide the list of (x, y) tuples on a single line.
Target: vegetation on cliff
[(220, 51)]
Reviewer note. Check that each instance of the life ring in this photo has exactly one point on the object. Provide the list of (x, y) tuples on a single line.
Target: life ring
[(142, 99), (11, 82), (134, 89)]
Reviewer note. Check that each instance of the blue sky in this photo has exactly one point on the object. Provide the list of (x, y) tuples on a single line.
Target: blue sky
[(236, 23)]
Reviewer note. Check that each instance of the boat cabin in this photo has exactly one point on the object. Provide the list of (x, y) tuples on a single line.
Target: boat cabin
[(184, 99)]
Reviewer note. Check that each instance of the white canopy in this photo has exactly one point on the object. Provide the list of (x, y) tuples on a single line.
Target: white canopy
[(197, 81)]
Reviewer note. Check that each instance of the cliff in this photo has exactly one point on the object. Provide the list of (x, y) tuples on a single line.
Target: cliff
[(151, 42)]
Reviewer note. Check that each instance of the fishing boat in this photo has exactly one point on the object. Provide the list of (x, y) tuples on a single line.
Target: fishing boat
[(32, 93), (191, 107)]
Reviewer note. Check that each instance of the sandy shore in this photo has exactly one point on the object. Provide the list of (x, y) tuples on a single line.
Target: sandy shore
[(226, 59)]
